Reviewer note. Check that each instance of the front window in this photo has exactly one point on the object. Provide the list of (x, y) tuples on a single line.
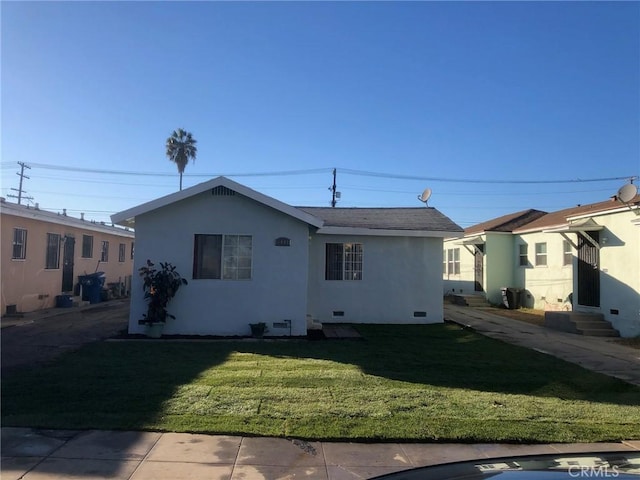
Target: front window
[(567, 253), (121, 252), (87, 246), (343, 261), (19, 244), (104, 255), (453, 261), (541, 254), (223, 257), (524, 255), (53, 251)]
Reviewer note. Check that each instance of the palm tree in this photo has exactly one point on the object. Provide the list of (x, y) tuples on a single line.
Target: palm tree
[(181, 147)]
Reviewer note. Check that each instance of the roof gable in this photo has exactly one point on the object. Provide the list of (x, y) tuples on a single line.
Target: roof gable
[(127, 217)]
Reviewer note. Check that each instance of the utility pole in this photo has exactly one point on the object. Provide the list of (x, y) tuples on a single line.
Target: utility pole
[(19, 190), (333, 190)]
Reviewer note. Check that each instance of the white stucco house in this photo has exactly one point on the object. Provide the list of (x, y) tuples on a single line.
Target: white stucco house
[(582, 259), (250, 258), (480, 262), (586, 258)]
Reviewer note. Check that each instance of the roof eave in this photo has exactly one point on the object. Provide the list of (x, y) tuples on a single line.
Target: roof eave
[(382, 232)]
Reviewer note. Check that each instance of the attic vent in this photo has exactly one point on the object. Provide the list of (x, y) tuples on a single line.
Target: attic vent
[(222, 191)]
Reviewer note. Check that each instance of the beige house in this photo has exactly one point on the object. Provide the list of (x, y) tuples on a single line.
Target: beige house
[(44, 253)]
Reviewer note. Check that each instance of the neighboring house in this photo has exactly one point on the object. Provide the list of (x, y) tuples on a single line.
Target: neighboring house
[(43, 254), (585, 258), (250, 258), (481, 261)]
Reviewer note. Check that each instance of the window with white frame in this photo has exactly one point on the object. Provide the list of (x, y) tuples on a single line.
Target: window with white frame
[(567, 253), (19, 244), (122, 248), (523, 254), (53, 251), (223, 257), (133, 247), (87, 246), (104, 254), (444, 261), (453, 261), (343, 261), (541, 254)]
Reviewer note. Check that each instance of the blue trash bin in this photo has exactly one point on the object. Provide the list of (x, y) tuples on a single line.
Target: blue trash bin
[(92, 286)]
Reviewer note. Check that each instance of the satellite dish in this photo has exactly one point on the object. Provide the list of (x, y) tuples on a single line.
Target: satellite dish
[(627, 193), (426, 195)]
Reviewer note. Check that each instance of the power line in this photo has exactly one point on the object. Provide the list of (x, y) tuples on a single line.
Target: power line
[(467, 180), (327, 170), (157, 174)]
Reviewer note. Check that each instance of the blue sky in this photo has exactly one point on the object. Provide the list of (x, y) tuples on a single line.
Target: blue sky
[(483, 91)]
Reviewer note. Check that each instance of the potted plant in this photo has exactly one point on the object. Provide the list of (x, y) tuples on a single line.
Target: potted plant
[(258, 329), (160, 286)]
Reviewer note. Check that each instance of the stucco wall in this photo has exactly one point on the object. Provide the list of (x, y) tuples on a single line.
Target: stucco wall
[(400, 276), (29, 285), (464, 282), (620, 272), (548, 286), (276, 291), (498, 265)]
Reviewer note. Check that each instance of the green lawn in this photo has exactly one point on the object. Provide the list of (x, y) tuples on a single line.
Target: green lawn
[(422, 383)]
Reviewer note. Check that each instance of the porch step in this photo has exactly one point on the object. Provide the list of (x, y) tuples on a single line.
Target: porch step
[(470, 300), (581, 323)]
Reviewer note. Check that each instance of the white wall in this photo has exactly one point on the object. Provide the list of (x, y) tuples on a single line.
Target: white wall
[(548, 286), (400, 275), (464, 282), (620, 272), (277, 290)]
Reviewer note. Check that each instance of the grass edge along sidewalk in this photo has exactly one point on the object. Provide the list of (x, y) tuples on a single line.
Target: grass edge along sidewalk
[(409, 383)]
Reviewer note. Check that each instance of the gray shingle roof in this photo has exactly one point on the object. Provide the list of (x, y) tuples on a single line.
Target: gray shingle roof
[(418, 218)]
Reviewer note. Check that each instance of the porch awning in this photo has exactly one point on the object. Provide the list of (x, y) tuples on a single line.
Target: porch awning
[(477, 240), (580, 226)]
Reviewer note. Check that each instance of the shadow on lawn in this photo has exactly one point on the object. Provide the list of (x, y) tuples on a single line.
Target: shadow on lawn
[(127, 384)]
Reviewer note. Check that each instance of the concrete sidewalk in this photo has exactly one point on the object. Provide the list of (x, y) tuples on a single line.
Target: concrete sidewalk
[(599, 354), (30, 454)]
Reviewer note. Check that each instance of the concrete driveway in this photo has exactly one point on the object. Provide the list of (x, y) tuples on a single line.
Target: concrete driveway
[(41, 336)]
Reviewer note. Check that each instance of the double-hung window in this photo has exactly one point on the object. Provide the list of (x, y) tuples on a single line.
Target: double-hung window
[(541, 254), (523, 254), (53, 251), (19, 244), (453, 261), (223, 257), (567, 253), (343, 261), (121, 252)]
